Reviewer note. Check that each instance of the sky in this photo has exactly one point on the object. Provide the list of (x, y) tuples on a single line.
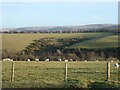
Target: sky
[(59, 1), (29, 14)]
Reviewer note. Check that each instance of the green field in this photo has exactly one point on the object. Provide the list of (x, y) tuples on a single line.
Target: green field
[(51, 75), (17, 42), (110, 41)]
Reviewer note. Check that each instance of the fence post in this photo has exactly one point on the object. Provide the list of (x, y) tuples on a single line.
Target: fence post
[(65, 70), (108, 71), (12, 72)]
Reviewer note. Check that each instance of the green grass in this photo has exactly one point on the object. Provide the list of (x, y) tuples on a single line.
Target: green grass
[(17, 42), (51, 75), (110, 41)]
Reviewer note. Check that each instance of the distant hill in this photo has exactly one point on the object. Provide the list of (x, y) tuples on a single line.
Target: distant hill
[(65, 29)]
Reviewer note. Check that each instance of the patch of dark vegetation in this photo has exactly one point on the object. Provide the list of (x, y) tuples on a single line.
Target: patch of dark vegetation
[(103, 86)]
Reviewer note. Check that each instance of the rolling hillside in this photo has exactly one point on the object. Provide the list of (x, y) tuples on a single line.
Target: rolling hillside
[(64, 29), (110, 41), (17, 42)]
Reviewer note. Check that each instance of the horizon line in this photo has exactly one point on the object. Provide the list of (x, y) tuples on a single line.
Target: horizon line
[(58, 25)]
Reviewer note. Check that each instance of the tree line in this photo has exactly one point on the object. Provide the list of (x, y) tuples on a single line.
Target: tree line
[(60, 30)]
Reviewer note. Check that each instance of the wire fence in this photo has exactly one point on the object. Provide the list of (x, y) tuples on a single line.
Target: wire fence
[(57, 72)]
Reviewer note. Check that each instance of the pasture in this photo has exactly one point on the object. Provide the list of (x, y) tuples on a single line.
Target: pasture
[(17, 42), (110, 41), (50, 74)]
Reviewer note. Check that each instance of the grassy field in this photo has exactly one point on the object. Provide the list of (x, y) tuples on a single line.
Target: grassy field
[(17, 42), (51, 75), (103, 42)]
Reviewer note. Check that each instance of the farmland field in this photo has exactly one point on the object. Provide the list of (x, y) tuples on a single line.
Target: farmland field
[(17, 42), (103, 42), (41, 74), (51, 75)]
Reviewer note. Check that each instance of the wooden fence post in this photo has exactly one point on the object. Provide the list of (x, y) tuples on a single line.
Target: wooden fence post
[(65, 71), (108, 71), (12, 72)]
